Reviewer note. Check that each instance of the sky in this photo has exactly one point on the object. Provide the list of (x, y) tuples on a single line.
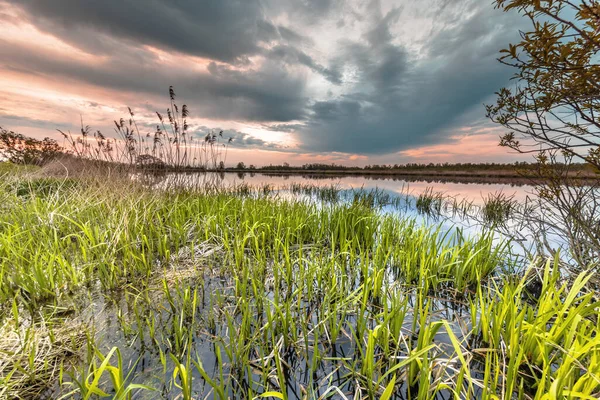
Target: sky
[(299, 81)]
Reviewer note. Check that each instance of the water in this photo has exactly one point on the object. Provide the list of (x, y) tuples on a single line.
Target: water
[(463, 197), (459, 192), (463, 188)]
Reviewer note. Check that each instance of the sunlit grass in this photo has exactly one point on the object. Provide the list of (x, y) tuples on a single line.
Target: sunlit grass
[(10, 169)]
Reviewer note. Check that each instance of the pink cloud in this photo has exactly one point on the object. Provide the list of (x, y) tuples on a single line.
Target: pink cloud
[(480, 147)]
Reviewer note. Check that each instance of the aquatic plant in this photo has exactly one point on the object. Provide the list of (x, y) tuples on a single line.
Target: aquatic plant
[(430, 202), (498, 208)]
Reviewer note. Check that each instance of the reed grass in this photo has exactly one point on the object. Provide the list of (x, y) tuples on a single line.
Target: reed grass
[(170, 146), (430, 202)]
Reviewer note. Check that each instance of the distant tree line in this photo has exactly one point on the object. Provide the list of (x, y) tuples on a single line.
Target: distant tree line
[(20, 149), (485, 166)]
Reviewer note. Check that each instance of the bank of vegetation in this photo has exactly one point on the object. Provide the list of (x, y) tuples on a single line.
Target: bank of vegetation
[(516, 172)]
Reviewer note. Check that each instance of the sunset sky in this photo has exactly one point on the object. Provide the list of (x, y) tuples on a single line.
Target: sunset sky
[(352, 82)]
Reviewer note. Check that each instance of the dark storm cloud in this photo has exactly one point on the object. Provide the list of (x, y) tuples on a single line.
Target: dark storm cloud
[(292, 36), (398, 102), (335, 110), (225, 30), (292, 55), (266, 94)]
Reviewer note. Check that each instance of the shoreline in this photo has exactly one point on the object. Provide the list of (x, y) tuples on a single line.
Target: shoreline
[(490, 177)]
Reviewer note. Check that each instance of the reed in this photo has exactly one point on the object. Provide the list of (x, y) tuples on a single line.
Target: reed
[(172, 145), (430, 202)]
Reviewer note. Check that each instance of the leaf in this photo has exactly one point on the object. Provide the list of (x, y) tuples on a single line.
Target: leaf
[(272, 394), (389, 389), (407, 361)]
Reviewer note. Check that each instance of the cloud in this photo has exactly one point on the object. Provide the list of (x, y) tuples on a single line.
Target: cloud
[(267, 93), (347, 77), (397, 100), (7, 121), (290, 128), (240, 140), (306, 12), (292, 36), (235, 27), (292, 55)]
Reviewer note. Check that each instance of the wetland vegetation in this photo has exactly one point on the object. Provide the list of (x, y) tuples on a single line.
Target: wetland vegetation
[(114, 290)]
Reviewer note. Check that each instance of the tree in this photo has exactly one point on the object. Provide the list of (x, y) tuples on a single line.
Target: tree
[(553, 111), (149, 162), (555, 103), (241, 165), (20, 149)]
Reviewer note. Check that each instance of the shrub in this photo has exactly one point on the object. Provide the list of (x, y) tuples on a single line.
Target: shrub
[(20, 149)]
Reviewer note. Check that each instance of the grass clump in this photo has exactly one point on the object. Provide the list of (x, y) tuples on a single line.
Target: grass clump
[(548, 345), (32, 355), (498, 208), (8, 169), (430, 202), (42, 186)]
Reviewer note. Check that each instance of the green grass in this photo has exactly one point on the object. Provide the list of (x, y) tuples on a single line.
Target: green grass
[(41, 187), (243, 294), (430, 202), (498, 208)]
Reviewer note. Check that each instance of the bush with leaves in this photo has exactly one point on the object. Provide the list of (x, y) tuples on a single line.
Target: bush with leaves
[(20, 149), (555, 103), (552, 111)]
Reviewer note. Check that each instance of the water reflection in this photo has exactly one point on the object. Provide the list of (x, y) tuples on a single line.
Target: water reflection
[(469, 189)]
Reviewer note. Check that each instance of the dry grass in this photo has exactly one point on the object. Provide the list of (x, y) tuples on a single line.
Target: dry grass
[(71, 167), (32, 356)]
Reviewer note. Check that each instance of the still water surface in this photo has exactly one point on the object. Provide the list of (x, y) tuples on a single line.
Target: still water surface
[(471, 191)]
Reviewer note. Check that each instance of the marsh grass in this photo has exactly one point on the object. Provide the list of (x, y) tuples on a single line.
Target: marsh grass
[(42, 187), (8, 169), (498, 208), (243, 293), (430, 202), (169, 146), (549, 344)]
